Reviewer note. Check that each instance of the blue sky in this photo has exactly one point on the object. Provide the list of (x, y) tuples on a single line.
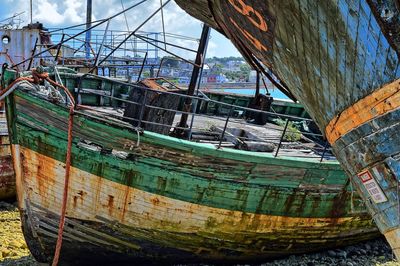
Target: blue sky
[(57, 13)]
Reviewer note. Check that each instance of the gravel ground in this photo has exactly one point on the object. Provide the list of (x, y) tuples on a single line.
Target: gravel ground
[(14, 252), (13, 249), (375, 252)]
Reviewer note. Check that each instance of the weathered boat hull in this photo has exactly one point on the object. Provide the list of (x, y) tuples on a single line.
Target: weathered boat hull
[(170, 199), (7, 179), (340, 58)]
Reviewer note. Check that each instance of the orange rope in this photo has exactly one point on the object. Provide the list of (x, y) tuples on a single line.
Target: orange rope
[(2, 92), (67, 172)]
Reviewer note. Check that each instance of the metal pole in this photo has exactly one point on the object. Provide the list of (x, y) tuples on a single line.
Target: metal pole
[(192, 120), (156, 41), (283, 135), (59, 48), (163, 25), (33, 52), (225, 126), (197, 93), (158, 71), (142, 107), (133, 33), (96, 63), (323, 153), (257, 83), (162, 49), (195, 74), (156, 49), (31, 7), (88, 25), (141, 69)]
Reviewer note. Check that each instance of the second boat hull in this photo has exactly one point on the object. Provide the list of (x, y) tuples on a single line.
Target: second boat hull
[(7, 178)]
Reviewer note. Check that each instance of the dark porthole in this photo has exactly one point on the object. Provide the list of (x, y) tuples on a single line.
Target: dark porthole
[(5, 39)]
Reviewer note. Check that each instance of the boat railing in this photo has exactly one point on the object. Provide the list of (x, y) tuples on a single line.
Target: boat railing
[(312, 145)]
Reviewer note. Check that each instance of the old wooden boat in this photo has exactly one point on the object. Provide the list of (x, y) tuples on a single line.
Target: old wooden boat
[(135, 195), (340, 58), (7, 180)]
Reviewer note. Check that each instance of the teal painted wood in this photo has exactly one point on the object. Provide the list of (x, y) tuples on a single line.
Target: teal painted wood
[(193, 172), (279, 106)]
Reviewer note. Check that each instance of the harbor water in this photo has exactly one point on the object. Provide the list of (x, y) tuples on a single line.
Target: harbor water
[(277, 94)]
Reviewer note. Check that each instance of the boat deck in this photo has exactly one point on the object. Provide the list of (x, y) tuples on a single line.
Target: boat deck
[(239, 134)]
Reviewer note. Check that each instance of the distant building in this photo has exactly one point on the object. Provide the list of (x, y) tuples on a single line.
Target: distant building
[(185, 65), (183, 80), (234, 65), (216, 78), (204, 79)]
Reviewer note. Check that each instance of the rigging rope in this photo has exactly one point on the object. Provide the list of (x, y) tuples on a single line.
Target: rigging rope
[(67, 170)]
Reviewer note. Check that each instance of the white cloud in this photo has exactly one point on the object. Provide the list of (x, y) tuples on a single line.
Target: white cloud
[(47, 13), (73, 11)]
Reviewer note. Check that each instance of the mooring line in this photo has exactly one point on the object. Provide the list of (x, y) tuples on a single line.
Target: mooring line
[(67, 172)]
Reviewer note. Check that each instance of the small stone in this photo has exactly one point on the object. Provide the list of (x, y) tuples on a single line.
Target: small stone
[(381, 258), (353, 253), (367, 246), (341, 254), (24, 245), (349, 263), (5, 253), (15, 244), (331, 253), (363, 252)]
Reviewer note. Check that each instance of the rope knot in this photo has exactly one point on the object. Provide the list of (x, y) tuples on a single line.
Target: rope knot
[(39, 75)]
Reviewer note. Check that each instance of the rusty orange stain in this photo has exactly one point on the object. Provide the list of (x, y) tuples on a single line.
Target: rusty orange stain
[(380, 102), (155, 200), (15, 152), (125, 204), (45, 173), (257, 44), (110, 204), (75, 201)]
